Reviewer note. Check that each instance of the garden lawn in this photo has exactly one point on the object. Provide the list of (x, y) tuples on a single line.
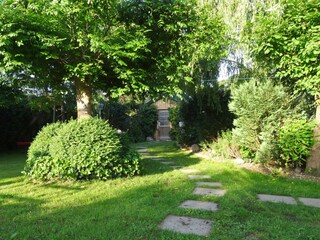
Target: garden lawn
[(132, 208)]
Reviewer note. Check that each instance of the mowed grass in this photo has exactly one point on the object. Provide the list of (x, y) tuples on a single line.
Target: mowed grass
[(132, 208)]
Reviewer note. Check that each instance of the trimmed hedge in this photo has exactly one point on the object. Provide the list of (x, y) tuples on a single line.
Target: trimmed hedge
[(86, 149)]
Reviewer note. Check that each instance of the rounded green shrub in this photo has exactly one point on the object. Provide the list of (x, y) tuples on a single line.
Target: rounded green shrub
[(39, 161), (295, 142), (85, 149)]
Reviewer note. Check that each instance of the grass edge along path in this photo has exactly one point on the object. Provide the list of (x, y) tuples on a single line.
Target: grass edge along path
[(132, 208)]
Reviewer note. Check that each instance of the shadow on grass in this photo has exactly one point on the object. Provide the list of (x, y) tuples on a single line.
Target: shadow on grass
[(135, 214)]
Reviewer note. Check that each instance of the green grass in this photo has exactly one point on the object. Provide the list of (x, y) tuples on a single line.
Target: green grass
[(132, 208)]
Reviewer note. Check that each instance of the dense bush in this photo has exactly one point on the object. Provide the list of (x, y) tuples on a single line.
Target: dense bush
[(295, 142), (138, 120), (224, 146), (143, 122), (83, 149), (204, 114), (261, 109)]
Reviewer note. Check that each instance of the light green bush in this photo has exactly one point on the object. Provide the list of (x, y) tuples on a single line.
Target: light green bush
[(295, 142)]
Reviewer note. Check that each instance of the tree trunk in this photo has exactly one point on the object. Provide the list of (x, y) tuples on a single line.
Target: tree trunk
[(84, 98), (313, 162)]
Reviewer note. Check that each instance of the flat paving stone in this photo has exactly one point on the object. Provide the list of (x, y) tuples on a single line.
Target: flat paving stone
[(209, 191), (311, 202), (142, 151), (189, 170), (198, 176), (167, 163), (157, 159), (276, 199), (150, 156), (175, 167), (141, 147), (209, 206), (209, 184), (187, 225)]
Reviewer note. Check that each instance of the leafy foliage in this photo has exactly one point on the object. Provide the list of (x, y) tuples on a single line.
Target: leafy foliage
[(287, 39), (84, 149), (295, 142), (143, 122), (260, 109), (203, 114), (120, 47), (225, 146)]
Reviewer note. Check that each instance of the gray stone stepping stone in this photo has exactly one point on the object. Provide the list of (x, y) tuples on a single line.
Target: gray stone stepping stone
[(141, 147), (142, 151), (209, 206), (157, 159), (311, 202), (198, 176), (276, 199), (149, 156), (209, 184), (167, 163), (175, 167), (187, 225), (189, 171), (209, 191)]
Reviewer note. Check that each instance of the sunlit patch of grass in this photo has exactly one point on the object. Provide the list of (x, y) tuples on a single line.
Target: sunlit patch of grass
[(132, 208)]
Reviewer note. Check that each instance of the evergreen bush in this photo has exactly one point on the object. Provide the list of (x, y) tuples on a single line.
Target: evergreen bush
[(204, 114), (85, 149), (260, 107)]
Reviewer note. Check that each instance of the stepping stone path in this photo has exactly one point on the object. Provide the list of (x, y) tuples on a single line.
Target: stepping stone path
[(189, 171), (209, 184), (175, 167), (311, 202), (141, 147), (209, 191), (193, 204), (276, 199), (187, 225), (167, 163), (198, 177), (158, 159)]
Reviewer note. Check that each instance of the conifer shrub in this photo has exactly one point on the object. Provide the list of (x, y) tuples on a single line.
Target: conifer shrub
[(86, 149), (261, 108)]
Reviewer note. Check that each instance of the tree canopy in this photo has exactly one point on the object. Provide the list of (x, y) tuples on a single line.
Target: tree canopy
[(120, 47)]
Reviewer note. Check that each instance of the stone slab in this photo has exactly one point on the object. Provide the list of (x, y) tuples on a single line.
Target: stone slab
[(189, 170), (167, 163), (141, 147), (142, 151), (150, 156), (175, 167), (209, 206), (209, 191), (209, 184), (311, 202), (276, 199), (157, 159), (199, 176), (187, 225)]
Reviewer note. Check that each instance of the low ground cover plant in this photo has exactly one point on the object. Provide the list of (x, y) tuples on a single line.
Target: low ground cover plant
[(86, 149)]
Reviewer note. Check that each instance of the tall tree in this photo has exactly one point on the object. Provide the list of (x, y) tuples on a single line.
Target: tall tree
[(286, 40), (132, 46)]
